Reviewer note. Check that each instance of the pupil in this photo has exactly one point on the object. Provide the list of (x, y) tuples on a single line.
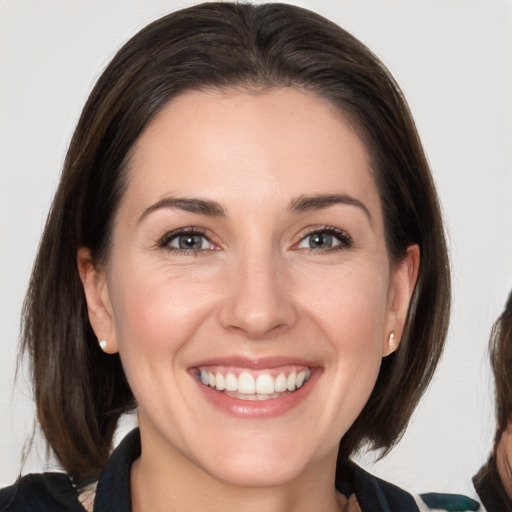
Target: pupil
[(190, 242), (320, 241)]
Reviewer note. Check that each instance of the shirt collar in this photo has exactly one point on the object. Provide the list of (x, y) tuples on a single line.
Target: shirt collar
[(373, 494)]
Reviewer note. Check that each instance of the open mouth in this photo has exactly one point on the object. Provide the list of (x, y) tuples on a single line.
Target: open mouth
[(245, 384)]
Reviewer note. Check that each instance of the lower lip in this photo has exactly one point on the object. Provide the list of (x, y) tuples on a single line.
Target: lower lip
[(258, 408)]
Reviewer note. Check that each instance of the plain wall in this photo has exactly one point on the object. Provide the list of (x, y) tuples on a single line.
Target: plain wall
[(453, 59)]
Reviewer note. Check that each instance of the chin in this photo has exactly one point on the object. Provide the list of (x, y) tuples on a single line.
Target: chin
[(260, 465), (246, 472)]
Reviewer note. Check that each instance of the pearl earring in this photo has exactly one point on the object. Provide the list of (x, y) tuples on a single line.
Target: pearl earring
[(103, 344), (392, 341)]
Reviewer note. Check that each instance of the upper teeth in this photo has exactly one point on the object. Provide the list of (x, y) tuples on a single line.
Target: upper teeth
[(262, 384)]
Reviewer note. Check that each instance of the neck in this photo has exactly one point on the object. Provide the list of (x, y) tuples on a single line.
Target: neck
[(160, 483)]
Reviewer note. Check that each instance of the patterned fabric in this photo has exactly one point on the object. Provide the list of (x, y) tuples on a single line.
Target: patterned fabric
[(448, 502), (54, 492)]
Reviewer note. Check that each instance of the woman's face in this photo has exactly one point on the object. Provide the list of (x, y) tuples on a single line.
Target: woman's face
[(248, 290)]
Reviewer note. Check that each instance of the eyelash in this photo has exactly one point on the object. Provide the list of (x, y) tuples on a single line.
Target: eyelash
[(190, 231), (344, 239)]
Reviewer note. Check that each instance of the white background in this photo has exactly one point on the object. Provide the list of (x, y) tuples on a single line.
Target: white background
[(453, 59)]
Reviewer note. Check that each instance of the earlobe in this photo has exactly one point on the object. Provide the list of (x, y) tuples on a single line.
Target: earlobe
[(403, 281), (97, 295)]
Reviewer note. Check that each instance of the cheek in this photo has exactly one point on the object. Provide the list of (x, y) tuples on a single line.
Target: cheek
[(157, 316), (350, 304), (159, 311), (352, 317)]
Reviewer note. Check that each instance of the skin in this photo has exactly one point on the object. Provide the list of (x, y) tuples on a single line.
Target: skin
[(255, 289)]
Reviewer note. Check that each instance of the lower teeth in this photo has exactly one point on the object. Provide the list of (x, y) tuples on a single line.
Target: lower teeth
[(242, 396)]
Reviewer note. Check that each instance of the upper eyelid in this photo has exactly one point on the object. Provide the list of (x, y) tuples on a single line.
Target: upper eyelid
[(343, 236), (308, 231), (190, 230), (321, 229)]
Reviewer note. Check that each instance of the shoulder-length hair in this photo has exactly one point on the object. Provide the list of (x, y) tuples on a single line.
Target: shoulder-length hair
[(80, 392)]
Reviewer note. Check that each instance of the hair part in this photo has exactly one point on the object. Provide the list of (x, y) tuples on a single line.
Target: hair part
[(80, 391)]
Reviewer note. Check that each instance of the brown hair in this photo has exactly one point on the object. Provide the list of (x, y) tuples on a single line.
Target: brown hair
[(500, 348), (79, 390), (488, 481)]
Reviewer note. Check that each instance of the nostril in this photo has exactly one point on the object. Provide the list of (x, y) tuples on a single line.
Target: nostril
[(253, 329)]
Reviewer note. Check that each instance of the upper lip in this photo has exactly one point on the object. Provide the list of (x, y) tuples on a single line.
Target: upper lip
[(254, 363)]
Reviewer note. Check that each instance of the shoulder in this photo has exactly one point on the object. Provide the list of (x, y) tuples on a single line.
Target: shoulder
[(374, 494), (43, 492)]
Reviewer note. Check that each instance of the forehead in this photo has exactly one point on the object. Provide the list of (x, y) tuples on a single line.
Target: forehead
[(236, 144)]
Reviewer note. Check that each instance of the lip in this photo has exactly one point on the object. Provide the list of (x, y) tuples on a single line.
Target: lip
[(256, 363), (256, 409)]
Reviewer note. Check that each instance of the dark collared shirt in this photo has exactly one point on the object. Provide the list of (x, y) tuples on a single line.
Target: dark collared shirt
[(54, 492)]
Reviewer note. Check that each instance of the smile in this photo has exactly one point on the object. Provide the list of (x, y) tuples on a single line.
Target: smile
[(245, 384)]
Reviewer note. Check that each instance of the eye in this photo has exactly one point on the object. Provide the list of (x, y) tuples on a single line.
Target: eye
[(325, 239), (190, 241)]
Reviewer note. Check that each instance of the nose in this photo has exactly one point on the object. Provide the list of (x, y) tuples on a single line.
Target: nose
[(259, 300)]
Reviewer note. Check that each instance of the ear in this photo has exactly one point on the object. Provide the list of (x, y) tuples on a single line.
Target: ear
[(97, 295), (403, 280)]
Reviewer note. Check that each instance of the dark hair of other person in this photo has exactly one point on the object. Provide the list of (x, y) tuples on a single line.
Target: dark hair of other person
[(488, 481), (81, 392), (501, 360)]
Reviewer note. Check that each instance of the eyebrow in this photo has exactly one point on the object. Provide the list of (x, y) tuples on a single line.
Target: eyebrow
[(321, 201), (213, 209), (193, 205)]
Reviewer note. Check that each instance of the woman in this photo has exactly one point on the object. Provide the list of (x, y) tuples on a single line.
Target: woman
[(494, 480), (246, 245)]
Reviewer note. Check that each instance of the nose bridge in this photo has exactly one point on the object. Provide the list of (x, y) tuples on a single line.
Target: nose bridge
[(259, 299)]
